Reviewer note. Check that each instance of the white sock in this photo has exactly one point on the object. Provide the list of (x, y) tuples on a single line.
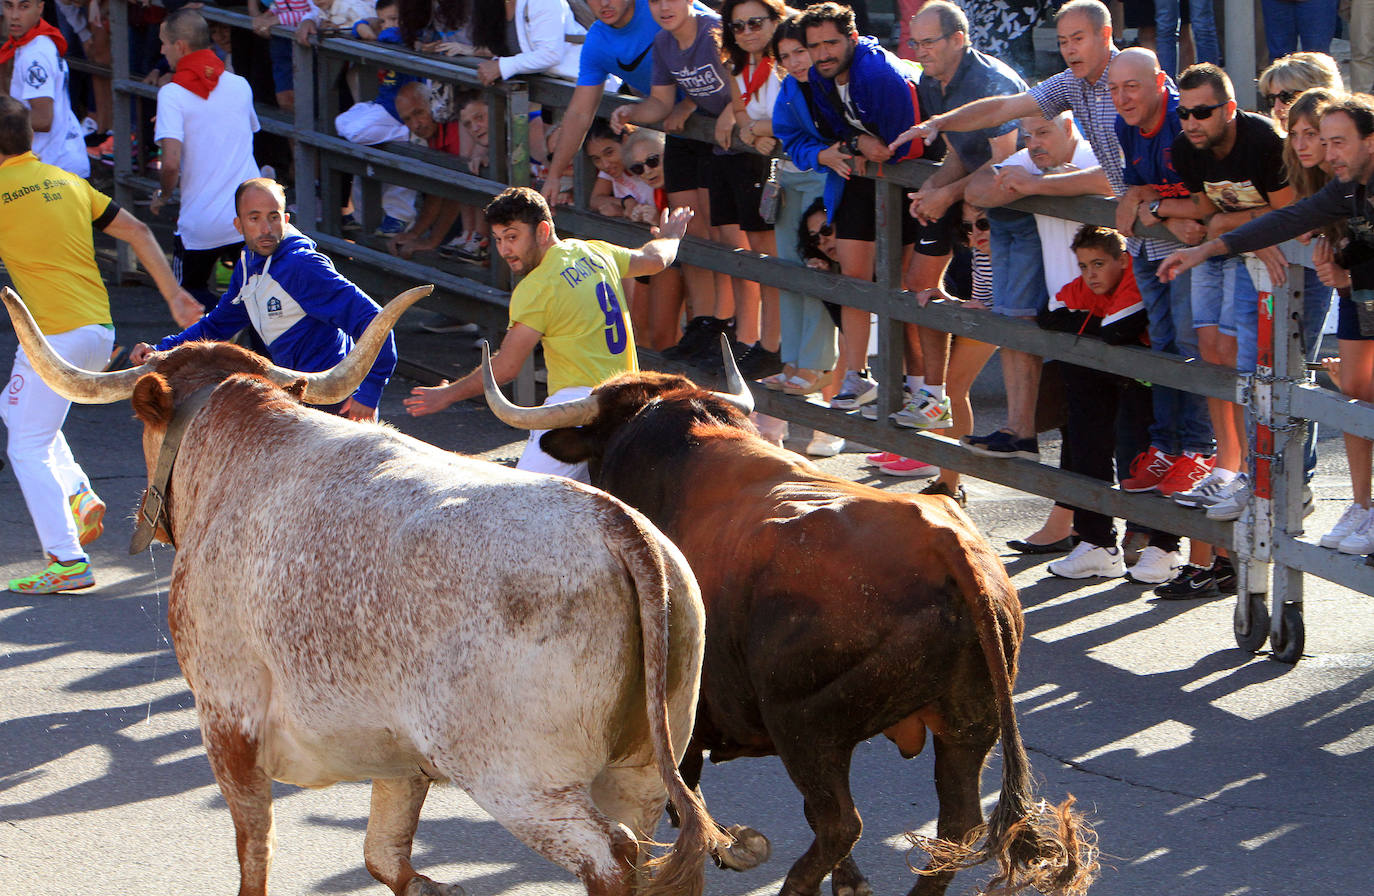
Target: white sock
[(915, 383), (937, 392), (1223, 475)]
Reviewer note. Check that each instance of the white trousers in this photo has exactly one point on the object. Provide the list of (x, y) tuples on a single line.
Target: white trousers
[(368, 124), (536, 461), (42, 461)]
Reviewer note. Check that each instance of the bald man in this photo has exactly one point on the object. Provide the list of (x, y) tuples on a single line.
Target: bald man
[(438, 214)]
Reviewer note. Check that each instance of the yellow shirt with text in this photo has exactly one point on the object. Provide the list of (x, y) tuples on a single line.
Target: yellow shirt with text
[(575, 299), (48, 246)]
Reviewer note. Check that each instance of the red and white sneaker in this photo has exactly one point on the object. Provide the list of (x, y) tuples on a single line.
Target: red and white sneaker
[(909, 466), (1148, 470), (882, 457), (1190, 469)]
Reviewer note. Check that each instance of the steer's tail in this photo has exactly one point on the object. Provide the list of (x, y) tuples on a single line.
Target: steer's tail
[(681, 871), (1035, 844)]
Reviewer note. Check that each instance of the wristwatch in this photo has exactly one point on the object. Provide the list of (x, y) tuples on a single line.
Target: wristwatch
[(1154, 207)]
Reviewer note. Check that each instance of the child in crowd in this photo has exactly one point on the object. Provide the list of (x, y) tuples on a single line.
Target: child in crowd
[(615, 190)]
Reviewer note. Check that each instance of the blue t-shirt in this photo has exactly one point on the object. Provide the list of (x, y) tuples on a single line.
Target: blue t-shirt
[(697, 71), (978, 75), (623, 52), (1149, 158)]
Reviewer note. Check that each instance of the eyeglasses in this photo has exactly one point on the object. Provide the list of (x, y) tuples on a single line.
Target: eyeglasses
[(1284, 96), (927, 44), (967, 226), (825, 230), (1201, 113), (637, 168), (753, 23)]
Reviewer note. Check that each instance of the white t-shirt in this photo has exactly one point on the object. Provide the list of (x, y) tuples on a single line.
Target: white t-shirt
[(628, 186), (40, 72), (1056, 234), (216, 135)]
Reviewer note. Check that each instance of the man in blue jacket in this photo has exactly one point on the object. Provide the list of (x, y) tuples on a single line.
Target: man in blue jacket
[(305, 312), (867, 96)]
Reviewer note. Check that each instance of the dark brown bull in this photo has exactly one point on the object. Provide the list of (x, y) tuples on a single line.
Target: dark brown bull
[(835, 612)]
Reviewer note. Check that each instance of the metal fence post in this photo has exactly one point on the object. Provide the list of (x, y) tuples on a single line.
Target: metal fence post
[(1253, 534)]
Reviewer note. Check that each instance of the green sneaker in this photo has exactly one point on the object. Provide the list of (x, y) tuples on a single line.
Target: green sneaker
[(89, 512), (56, 578)]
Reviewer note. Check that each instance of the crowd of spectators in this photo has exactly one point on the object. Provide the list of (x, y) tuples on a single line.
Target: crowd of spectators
[(1212, 201)]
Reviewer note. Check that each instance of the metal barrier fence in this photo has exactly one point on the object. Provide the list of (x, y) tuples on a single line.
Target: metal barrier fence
[(1280, 396)]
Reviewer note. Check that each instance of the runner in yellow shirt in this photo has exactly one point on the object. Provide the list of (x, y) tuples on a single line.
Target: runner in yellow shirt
[(47, 244), (571, 299)]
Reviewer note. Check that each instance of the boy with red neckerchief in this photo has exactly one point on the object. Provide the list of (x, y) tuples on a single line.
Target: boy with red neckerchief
[(205, 125), (35, 49)]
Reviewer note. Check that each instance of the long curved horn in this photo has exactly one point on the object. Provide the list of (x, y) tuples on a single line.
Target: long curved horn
[(342, 380), (578, 412), (739, 394), (72, 383)]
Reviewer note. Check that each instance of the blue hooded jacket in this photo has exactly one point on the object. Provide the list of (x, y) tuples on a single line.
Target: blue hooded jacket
[(306, 312), (882, 88), (804, 138)]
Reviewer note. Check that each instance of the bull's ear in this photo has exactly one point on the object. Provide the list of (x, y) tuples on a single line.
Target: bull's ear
[(152, 400), (296, 390), (570, 446)]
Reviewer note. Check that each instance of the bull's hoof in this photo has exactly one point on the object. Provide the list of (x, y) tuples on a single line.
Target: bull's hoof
[(749, 849), (845, 884), (422, 886)]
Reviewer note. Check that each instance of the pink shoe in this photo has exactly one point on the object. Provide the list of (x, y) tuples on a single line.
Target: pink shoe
[(907, 466), (882, 457)]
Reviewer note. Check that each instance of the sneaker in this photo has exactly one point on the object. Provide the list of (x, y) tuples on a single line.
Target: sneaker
[(1345, 526), (857, 390), (1206, 493), (924, 411), (939, 488), (1155, 566), (981, 441), (1186, 472), (1133, 544), (1232, 501), (348, 223), (1190, 583), (709, 359), (1088, 560), (758, 362), (390, 227), (824, 445), (1361, 541), (1148, 470), (1224, 574), (1006, 444), (880, 458), (56, 578), (699, 332), (89, 512), (870, 411), (909, 466)]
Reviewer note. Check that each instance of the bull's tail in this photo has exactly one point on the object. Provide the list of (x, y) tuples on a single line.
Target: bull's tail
[(680, 871), (1050, 848)]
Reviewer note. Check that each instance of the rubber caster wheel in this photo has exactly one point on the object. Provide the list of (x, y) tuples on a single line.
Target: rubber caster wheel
[(1252, 638), (1287, 643)]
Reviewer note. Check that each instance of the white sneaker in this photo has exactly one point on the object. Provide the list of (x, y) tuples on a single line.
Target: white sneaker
[(924, 411), (1088, 560), (824, 445), (1345, 526), (1155, 566), (1231, 503), (1205, 493), (857, 390), (1361, 541)]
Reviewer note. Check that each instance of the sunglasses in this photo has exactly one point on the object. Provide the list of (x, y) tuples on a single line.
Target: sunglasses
[(1201, 113), (1285, 96), (967, 227), (652, 161), (753, 23), (826, 230)]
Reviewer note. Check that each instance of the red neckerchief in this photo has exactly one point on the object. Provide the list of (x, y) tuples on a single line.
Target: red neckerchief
[(199, 72), (753, 83), (660, 198), (12, 46)]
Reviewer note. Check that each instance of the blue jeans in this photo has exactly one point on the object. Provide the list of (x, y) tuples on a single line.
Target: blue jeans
[(1316, 302), (1181, 422), (1285, 21), (1166, 33), (1018, 267), (808, 333), (1240, 304)]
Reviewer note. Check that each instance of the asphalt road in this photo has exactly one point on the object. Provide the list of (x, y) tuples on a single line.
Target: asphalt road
[(1210, 772)]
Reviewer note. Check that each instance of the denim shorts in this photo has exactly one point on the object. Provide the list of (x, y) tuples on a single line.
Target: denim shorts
[(1018, 267), (1218, 283), (283, 74)]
